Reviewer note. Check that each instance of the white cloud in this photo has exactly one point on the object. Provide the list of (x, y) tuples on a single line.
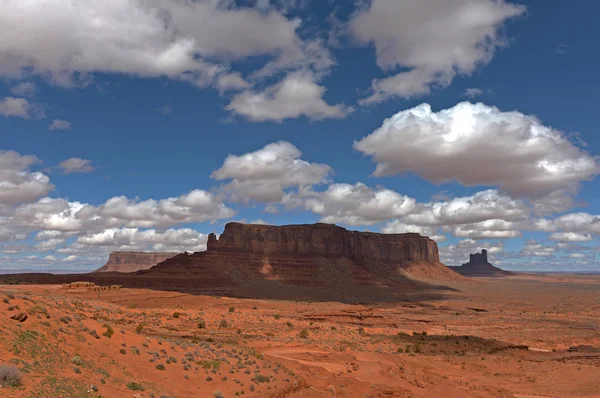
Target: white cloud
[(76, 165), (577, 255), (24, 89), (483, 206), (477, 92), (20, 107), (296, 95), (570, 237), (534, 249), (133, 239), (190, 41), (265, 174), (476, 144), (58, 124), (354, 205), (572, 222), (433, 40), (17, 183)]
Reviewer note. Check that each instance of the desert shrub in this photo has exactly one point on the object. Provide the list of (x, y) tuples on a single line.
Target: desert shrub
[(289, 324), (123, 351), (261, 379), (223, 323), (139, 328), (424, 333), (109, 331), (361, 330), (231, 309), (10, 376), (77, 360), (160, 366), (6, 300), (77, 370), (277, 316), (132, 385), (303, 334), (252, 388), (176, 314), (201, 324), (218, 394), (400, 350)]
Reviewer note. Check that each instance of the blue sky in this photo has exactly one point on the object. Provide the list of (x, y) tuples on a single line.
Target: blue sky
[(470, 121)]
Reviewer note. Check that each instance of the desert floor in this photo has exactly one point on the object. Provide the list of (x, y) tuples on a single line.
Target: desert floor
[(520, 336)]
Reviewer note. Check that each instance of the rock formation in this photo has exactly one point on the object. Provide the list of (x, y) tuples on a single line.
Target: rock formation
[(133, 261), (315, 255), (479, 265)]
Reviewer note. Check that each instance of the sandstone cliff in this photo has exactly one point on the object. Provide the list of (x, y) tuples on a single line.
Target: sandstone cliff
[(133, 261), (324, 240), (479, 265), (315, 255)]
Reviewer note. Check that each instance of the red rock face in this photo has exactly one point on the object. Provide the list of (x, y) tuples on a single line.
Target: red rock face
[(324, 240), (133, 261)]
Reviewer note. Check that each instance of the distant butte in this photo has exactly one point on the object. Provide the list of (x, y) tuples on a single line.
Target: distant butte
[(133, 261), (479, 265), (311, 255)]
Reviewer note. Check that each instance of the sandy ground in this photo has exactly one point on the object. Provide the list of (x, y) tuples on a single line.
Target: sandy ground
[(502, 337)]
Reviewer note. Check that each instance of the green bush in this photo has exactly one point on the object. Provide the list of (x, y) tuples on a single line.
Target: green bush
[(109, 331), (135, 386), (303, 334)]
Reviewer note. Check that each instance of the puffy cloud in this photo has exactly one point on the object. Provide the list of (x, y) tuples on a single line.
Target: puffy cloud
[(17, 183), (296, 95), (195, 206), (573, 222), (570, 237), (482, 206), (476, 144), (76, 165), (20, 107), (58, 124), (265, 174), (352, 204), (172, 240), (534, 249), (490, 229), (432, 40), (191, 41)]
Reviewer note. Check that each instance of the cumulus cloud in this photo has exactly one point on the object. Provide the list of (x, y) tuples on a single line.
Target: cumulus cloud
[(353, 205), (58, 124), (476, 144), (20, 107), (432, 40), (76, 165), (296, 95), (482, 206), (570, 237), (17, 183), (190, 41), (134, 239), (533, 249), (265, 174)]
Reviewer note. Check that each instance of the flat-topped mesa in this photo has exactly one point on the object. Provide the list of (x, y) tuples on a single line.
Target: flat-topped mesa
[(133, 261), (324, 240)]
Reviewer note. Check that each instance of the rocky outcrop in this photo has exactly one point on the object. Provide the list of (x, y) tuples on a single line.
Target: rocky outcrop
[(316, 255), (479, 265), (133, 261), (324, 240)]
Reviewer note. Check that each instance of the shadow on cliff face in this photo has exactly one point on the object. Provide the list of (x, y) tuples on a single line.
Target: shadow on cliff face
[(396, 291)]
